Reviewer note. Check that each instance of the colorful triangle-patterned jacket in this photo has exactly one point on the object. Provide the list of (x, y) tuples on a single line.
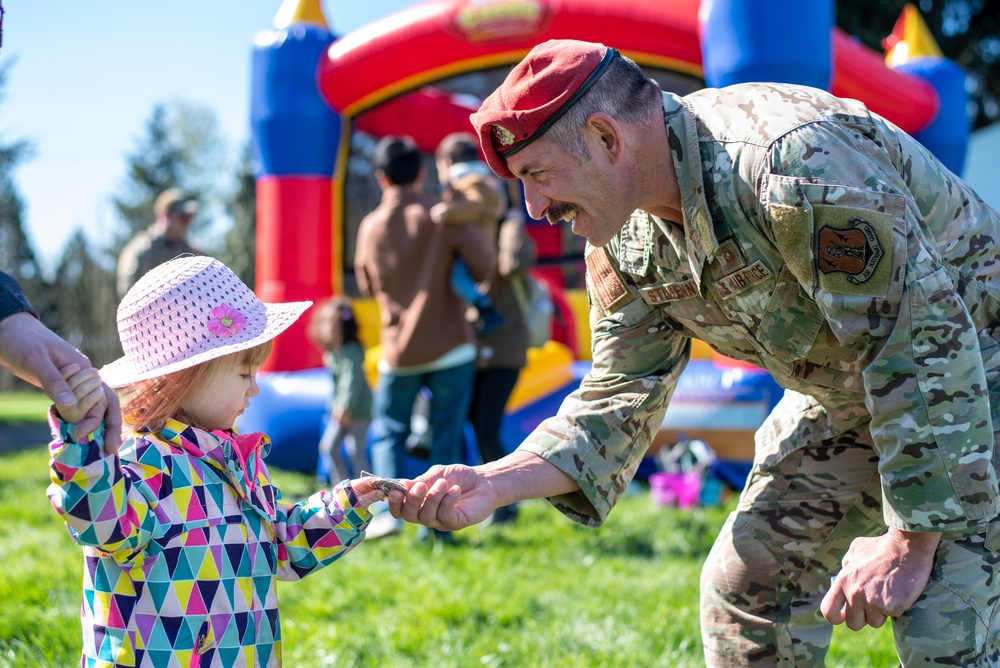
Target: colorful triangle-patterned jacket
[(183, 535)]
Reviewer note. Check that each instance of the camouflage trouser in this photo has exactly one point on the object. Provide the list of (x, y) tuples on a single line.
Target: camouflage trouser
[(764, 579)]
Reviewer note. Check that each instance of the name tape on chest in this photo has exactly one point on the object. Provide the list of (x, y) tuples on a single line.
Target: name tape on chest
[(671, 292), (737, 282)]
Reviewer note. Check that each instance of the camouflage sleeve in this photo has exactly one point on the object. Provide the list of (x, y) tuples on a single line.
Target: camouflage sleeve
[(12, 299), (602, 430), (849, 227)]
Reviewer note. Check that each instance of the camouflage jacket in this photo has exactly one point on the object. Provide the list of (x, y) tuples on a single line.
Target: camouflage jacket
[(827, 246)]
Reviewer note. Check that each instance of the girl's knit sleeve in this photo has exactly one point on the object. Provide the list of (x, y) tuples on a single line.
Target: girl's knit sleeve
[(104, 504), (316, 532)]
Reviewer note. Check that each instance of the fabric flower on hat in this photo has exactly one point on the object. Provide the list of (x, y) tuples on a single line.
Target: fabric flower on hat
[(226, 320)]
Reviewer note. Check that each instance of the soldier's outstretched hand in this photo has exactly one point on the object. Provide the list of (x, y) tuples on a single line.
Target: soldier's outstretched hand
[(448, 497)]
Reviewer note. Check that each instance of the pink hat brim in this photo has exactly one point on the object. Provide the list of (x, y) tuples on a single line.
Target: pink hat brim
[(280, 317)]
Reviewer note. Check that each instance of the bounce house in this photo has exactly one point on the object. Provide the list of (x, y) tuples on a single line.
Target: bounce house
[(319, 102)]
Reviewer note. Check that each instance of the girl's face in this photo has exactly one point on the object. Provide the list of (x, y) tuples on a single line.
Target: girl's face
[(222, 395)]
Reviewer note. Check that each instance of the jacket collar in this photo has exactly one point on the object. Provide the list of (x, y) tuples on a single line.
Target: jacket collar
[(239, 455), (682, 136)]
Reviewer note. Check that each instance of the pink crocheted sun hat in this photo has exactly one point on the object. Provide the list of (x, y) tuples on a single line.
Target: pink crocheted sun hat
[(188, 311)]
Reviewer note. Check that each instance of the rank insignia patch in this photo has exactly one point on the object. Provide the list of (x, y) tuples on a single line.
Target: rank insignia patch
[(605, 281), (854, 250), (729, 258)]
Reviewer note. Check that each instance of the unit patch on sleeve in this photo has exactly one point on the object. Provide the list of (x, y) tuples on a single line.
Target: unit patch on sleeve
[(607, 283), (853, 250)]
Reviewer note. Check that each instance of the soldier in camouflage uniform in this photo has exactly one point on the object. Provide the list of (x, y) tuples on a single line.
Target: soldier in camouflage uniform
[(804, 234), (162, 242)]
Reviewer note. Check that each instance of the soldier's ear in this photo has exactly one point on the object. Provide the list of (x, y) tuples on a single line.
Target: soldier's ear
[(607, 134)]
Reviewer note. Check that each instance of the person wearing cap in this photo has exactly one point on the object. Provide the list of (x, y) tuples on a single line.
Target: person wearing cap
[(804, 234), (165, 239), (184, 534)]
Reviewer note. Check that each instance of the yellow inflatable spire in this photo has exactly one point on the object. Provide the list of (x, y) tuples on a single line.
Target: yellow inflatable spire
[(910, 38), (300, 11)]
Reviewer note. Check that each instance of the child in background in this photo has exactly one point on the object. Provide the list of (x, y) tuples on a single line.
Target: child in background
[(334, 330), (183, 532), (472, 195)]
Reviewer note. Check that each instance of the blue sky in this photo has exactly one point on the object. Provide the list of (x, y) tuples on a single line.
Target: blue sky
[(86, 75)]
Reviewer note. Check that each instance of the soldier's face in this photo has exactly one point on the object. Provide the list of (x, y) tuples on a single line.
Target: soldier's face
[(560, 187)]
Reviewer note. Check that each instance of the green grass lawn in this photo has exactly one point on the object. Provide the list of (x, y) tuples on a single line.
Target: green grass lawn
[(542, 592), (17, 408)]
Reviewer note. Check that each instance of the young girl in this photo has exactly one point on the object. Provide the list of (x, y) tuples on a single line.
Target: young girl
[(183, 531), (334, 330)]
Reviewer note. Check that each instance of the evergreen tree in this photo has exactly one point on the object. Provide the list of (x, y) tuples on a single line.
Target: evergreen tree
[(84, 302), (182, 147), (240, 252), (17, 257)]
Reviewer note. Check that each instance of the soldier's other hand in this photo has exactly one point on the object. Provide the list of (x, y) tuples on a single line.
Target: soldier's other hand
[(882, 577)]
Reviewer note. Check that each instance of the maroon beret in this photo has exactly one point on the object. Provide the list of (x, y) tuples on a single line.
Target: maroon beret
[(536, 93)]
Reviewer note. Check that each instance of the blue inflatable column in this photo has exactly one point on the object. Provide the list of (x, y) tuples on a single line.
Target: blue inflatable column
[(947, 137), (785, 41), (295, 138)]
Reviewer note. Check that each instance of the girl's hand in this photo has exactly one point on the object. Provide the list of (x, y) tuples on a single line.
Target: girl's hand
[(87, 388), (372, 489)]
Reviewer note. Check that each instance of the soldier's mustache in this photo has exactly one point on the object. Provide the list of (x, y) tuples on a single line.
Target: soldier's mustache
[(560, 212)]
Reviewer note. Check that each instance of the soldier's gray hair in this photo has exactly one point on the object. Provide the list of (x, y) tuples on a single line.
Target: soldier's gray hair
[(623, 92)]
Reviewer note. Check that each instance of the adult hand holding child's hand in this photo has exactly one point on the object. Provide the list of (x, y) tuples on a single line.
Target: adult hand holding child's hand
[(88, 389)]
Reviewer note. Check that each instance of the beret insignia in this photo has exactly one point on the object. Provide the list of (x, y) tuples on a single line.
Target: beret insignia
[(503, 135)]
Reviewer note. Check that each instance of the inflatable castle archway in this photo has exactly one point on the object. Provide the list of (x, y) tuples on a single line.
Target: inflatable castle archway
[(314, 93)]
